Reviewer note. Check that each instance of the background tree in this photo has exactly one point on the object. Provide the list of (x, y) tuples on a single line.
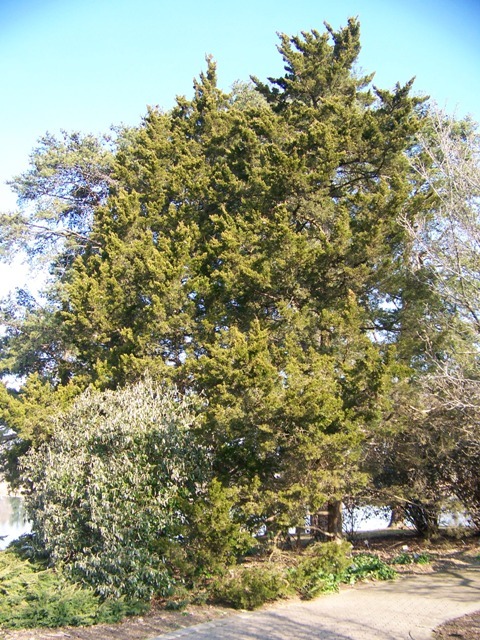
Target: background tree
[(446, 236), (430, 451), (447, 240), (68, 178)]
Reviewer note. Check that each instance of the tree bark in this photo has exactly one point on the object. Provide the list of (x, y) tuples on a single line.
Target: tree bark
[(424, 517), (397, 518), (334, 526)]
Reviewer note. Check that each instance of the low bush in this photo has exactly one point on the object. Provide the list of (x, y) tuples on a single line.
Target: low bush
[(252, 587), (412, 558), (367, 565), (321, 570), (422, 558), (33, 595), (402, 558)]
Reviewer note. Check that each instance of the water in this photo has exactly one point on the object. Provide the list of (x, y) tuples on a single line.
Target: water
[(12, 520), (358, 519)]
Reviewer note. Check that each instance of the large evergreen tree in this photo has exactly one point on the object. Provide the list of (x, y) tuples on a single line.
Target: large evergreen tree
[(246, 251)]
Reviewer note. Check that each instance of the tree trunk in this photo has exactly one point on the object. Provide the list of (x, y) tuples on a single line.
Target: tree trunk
[(319, 525), (397, 517), (424, 517), (335, 519)]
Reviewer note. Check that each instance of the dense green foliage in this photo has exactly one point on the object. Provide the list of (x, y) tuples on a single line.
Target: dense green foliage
[(33, 595), (321, 569), (368, 565), (106, 493), (415, 558), (280, 254), (253, 587), (244, 251)]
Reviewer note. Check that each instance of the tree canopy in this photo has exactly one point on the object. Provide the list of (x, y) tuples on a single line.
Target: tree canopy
[(253, 247)]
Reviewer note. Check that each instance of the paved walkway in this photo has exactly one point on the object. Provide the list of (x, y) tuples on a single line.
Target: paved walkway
[(408, 608)]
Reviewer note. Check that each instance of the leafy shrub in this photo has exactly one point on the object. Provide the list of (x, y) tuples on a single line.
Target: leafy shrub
[(33, 595), (403, 558), (104, 493), (415, 558), (367, 565), (422, 558), (252, 587), (321, 570)]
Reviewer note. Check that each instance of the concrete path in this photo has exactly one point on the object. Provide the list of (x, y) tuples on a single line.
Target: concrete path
[(408, 608)]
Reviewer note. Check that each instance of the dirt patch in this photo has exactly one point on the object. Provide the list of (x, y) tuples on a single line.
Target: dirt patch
[(466, 628)]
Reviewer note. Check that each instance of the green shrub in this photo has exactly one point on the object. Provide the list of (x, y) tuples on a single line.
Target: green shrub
[(367, 565), (321, 570), (32, 595), (252, 587), (414, 558), (422, 558), (403, 558), (213, 538), (104, 493)]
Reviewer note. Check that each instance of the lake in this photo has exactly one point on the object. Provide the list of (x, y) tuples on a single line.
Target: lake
[(13, 523), (12, 519)]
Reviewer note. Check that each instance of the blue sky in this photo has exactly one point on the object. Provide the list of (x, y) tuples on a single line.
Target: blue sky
[(86, 64)]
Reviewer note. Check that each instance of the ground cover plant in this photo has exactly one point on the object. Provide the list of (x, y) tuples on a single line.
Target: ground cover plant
[(319, 569), (35, 595), (412, 558)]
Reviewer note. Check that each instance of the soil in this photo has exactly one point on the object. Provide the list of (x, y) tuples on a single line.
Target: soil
[(445, 553), (466, 628)]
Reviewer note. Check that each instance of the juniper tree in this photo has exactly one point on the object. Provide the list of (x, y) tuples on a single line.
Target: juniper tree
[(245, 252)]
